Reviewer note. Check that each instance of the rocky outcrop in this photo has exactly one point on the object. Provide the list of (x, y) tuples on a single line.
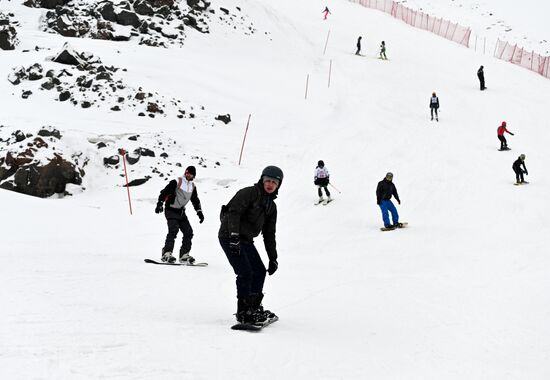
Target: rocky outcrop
[(34, 168), (8, 33)]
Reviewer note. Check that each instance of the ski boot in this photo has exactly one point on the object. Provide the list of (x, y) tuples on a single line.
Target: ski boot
[(186, 258), (168, 258)]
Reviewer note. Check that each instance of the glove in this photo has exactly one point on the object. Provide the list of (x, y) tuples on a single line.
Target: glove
[(201, 216), (272, 267), (526, 173), (235, 244), (511, 133), (159, 208), (398, 201)]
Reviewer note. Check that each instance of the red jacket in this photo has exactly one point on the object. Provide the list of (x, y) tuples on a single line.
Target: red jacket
[(501, 130)]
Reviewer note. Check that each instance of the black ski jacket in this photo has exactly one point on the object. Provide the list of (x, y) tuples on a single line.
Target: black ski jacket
[(248, 213), (517, 165), (434, 102), (480, 73), (168, 195), (385, 190)]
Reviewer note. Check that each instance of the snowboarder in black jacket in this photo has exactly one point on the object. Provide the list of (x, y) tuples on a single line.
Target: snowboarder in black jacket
[(517, 167), (384, 191), (174, 197), (481, 77), (434, 106), (251, 211)]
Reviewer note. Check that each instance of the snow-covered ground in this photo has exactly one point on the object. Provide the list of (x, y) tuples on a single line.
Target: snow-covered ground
[(463, 293)]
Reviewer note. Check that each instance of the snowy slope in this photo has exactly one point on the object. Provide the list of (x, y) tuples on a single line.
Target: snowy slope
[(461, 294)]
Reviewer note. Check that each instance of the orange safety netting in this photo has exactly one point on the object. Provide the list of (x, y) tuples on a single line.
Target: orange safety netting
[(460, 34), (444, 28), (518, 56)]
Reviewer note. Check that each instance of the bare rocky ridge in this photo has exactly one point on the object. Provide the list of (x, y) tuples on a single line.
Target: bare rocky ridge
[(151, 22)]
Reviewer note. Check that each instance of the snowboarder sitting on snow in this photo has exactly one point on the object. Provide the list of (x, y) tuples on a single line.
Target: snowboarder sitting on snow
[(384, 192), (481, 77), (383, 50), (326, 12), (321, 179), (174, 197), (500, 134), (358, 52), (251, 211), (518, 170), (434, 106)]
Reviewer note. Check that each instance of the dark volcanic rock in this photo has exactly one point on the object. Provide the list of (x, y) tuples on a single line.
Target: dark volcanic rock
[(137, 182), (64, 96), (224, 118), (113, 160), (107, 11), (128, 18), (68, 56), (42, 181), (49, 132), (143, 8)]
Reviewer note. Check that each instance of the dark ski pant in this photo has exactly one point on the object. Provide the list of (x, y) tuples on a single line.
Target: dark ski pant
[(320, 190), (481, 82), (248, 267), (519, 175), (177, 221), (503, 143), (387, 205), (432, 109)]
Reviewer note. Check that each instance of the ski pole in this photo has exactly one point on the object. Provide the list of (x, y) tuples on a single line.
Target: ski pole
[(339, 192)]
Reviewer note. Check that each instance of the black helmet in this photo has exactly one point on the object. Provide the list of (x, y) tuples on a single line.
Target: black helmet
[(273, 172), (320, 164)]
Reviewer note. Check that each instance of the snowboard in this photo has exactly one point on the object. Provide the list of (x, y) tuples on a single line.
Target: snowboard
[(251, 327), (502, 150), (521, 183), (403, 225), (195, 264)]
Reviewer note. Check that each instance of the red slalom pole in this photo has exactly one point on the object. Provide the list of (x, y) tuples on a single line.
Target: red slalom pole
[(329, 72), (244, 138), (307, 85), (326, 43), (126, 175)]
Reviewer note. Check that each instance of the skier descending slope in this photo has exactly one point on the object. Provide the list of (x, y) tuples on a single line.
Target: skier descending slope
[(251, 211), (500, 134), (434, 106), (175, 196), (384, 191), (326, 12), (321, 179)]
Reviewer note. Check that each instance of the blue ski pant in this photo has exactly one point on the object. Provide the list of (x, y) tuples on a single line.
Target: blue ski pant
[(385, 206), (248, 267)]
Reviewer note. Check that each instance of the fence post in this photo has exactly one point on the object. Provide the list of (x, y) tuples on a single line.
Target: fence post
[(126, 176), (244, 138)]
